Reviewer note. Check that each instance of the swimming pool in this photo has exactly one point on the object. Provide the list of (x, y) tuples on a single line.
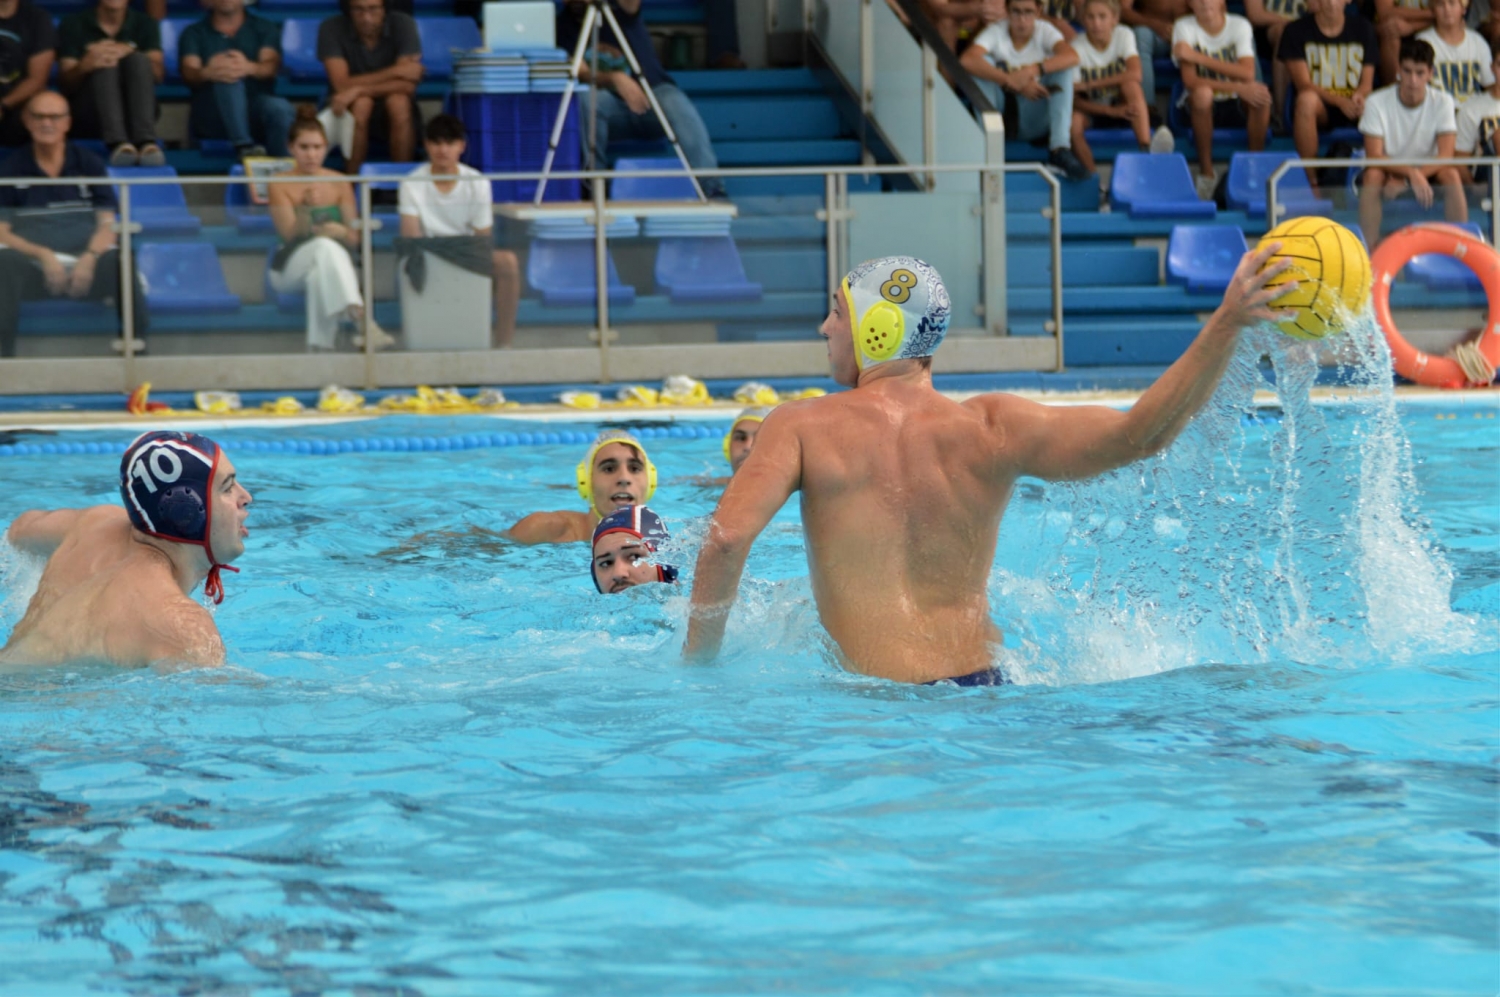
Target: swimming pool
[(444, 765)]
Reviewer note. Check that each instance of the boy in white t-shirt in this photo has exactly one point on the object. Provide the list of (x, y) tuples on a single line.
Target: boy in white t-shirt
[(1479, 118), (1108, 83), (1216, 52), (1409, 120), (1029, 59), (1461, 58), (447, 208)]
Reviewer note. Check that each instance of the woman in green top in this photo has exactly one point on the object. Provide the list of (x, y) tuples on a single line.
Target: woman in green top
[(316, 220), (110, 62)]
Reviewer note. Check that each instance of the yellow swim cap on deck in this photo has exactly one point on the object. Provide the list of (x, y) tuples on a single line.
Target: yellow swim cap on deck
[(899, 308), (585, 470), (756, 414)]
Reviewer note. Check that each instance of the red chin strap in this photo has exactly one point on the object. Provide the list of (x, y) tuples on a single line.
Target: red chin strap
[(214, 586)]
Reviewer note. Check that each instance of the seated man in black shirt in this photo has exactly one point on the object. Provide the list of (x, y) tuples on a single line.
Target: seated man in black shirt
[(374, 62), (28, 45), (1330, 55), (59, 239), (624, 111)]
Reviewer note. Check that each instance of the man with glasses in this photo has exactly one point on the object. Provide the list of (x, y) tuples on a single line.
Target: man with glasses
[(58, 239), (374, 62)]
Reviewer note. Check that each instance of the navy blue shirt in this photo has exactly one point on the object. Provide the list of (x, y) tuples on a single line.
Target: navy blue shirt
[(58, 216), (570, 20)]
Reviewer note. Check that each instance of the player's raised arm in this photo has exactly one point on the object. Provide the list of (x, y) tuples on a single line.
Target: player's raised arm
[(40, 531), (1066, 443), (758, 490)]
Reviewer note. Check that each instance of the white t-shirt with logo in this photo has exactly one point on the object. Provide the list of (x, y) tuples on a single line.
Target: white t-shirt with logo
[(995, 42), (1409, 132), (1463, 69), (464, 210), (1096, 65), (1478, 120), (1235, 41)]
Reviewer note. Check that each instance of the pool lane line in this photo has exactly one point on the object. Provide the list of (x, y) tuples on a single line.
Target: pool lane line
[(380, 444)]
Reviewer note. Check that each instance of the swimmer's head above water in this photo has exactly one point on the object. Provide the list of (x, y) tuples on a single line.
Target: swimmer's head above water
[(740, 439), (893, 308), (182, 488), (623, 544), (615, 473)]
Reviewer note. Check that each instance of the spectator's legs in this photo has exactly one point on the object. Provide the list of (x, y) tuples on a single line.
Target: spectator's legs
[(723, 34), (322, 269), (1280, 78), (362, 109), (1309, 114), (1371, 208), (693, 133), (99, 105), (1138, 110), (1059, 107), (271, 119), (1455, 204), (1201, 103), (1080, 144), (234, 112), (140, 99), (1145, 42), (107, 286), (1257, 120), (507, 297), (20, 279), (400, 114), (611, 115), (1390, 31)]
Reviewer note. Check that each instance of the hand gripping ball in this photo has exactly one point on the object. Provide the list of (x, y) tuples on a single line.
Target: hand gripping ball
[(1332, 272)]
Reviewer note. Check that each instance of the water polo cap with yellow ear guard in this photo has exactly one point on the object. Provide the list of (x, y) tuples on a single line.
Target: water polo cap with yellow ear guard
[(899, 308), (585, 470), (756, 414)]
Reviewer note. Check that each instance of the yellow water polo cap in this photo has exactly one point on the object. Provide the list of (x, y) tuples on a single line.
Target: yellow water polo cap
[(899, 307), (756, 414), (585, 470)]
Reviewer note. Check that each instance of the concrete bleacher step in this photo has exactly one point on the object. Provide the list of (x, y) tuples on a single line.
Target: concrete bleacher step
[(762, 118), (740, 82), (1098, 266), (786, 266)]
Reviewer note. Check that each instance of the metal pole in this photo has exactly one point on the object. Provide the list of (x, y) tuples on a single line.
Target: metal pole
[(127, 290), (1494, 204), (992, 206), (601, 279), (575, 65), (1057, 276), (367, 281), (830, 229), (929, 112)]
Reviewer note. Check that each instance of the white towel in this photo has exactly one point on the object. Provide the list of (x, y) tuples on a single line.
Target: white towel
[(339, 128)]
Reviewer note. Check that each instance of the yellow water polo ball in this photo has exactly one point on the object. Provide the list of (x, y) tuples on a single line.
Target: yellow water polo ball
[(1332, 271)]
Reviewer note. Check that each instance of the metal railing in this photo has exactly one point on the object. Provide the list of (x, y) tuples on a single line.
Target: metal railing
[(1276, 207), (992, 349)]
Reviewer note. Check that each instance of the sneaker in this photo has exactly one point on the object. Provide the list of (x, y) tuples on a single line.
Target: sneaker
[(382, 339), (1206, 184), (249, 151), (1063, 159), (1162, 141), (152, 155), (124, 155)]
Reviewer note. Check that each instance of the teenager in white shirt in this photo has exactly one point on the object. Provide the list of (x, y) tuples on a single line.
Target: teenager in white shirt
[(1108, 83), (1410, 120), (437, 208), (1216, 52), (1461, 57), (1029, 59), (1479, 118)]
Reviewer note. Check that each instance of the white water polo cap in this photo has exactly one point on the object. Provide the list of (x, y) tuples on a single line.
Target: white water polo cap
[(899, 308)]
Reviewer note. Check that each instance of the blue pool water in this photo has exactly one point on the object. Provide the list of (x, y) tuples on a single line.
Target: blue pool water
[(443, 765)]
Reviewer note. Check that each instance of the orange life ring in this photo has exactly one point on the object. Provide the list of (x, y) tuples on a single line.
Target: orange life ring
[(1397, 251)]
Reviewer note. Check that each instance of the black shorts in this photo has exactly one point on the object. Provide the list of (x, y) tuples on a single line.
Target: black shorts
[(1229, 113)]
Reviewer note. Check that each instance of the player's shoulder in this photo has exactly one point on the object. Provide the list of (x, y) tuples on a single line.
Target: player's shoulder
[(182, 632)]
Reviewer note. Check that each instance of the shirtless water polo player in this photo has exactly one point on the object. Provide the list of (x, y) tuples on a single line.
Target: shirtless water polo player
[(903, 489), (116, 589)]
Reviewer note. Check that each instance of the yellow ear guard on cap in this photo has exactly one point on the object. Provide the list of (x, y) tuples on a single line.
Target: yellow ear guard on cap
[(749, 416), (585, 469), (880, 331)]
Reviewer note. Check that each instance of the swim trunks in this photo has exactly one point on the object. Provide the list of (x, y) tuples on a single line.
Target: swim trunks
[(987, 677)]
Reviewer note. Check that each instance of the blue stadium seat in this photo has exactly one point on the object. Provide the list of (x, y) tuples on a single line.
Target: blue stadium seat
[(440, 36), (171, 30), (703, 269), (625, 187), (563, 271), (184, 278), (299, 49), (1246, 189), (160, 209), (397, 171), (1203, 257), (248, 218), (1157, 186), (1441, 272)]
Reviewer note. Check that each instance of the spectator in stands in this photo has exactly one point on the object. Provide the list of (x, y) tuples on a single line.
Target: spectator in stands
[(230, 59), (111, 61), (316, 222), (1061, 14), (1395, 20), (456, 209), (721, 24), (1409, 120), (1485, 19), (1152, 21), (1479, 118), (1268, 19), (59, 241), (1330, 56), (958, 21), (1108, 86), (374, 62), (623, 109), (1461, 56), (27, 47), (1029, 60), (1216, 52)]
